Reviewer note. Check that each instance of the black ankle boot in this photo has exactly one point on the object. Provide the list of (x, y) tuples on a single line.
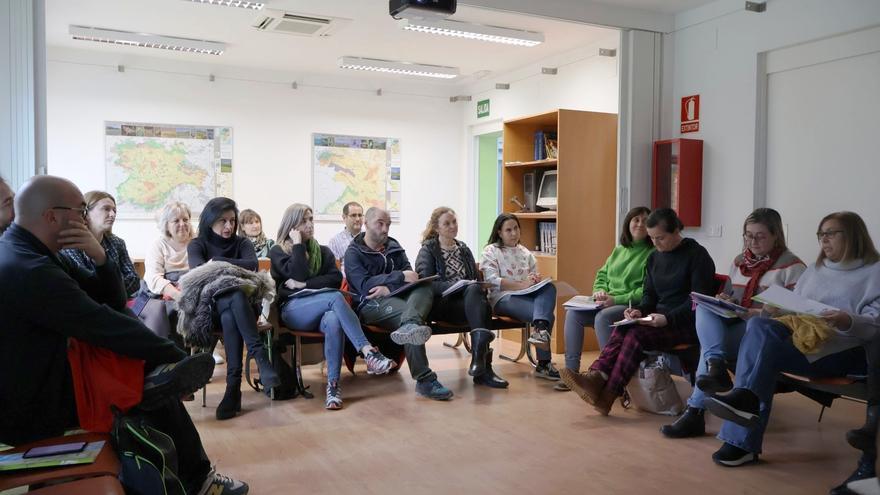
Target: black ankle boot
[(716, 379), (690, 424), (864, 438), (489, 378), (268, 376), (480, 338), (231, 403), (864, 469)]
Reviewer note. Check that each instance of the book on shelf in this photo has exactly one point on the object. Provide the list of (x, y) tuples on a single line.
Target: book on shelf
[(460, 286), (720, 307), (539, 146), (547, 237), (551, 146)]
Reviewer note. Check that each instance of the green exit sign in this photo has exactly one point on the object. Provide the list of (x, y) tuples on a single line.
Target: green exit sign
[(482, 109)]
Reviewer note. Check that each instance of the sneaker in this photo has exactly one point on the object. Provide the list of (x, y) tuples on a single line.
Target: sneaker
[(547, 371), (433, 390), (377, 363), (176, 379), (411, 334), (218, 358), (561, 387), (217, 484), (540, 339), (740, 406), (334, 396), (732, 456)]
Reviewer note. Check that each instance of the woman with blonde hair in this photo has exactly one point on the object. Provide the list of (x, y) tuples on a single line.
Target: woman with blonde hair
[(452, 261), (100, 215), (308, 298)]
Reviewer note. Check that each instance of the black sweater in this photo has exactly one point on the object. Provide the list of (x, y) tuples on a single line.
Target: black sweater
[(43, 301), (236, 250), (670, 278), (430, 262), (296, 266)]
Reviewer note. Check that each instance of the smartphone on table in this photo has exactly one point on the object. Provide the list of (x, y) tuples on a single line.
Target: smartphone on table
[(48, 450)]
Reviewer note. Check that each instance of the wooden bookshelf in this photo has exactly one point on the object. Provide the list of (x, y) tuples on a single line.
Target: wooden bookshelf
[(586, 197)]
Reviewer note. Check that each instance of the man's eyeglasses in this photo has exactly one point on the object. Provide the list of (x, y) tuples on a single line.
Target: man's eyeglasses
[(83, 212), (828, 233)]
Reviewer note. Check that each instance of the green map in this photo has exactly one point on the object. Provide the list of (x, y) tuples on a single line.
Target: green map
[(146, 167), (355, 168)]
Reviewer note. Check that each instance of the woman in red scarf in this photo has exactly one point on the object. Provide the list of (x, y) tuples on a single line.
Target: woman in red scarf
[(765, 261)]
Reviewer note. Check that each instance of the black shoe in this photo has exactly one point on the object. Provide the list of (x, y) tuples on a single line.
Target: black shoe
[(740, 406), (231, 403), (733, 456), (716, 379), (864, 438), (176, 380), (864, 470), (690, 424), (480, 339), (489, 378)]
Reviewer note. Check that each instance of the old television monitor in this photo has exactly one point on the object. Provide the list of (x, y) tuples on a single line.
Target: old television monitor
[(547, 191)]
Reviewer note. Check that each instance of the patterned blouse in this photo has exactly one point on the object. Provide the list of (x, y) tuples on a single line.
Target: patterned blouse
[(116, 250), (514, 263), (455, 269)]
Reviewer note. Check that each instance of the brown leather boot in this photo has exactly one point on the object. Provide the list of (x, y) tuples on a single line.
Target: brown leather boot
[(587, 385), (604, 402)]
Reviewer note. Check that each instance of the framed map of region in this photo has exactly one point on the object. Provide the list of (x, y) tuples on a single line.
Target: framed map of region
[(354, 168), (148, 165)]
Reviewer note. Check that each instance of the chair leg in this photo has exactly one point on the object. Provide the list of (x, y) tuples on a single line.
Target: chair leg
[(465, 339), (297, 365), (821, 413), (456, 344), (523, 346)]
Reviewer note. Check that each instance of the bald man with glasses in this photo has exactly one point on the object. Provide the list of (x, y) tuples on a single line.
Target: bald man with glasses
[(44, 301)]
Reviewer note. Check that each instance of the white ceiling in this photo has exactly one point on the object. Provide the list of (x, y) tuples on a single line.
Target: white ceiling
[(662, 6), (371, 33)]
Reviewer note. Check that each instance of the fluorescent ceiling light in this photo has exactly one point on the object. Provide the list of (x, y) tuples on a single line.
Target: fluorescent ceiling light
[(234, 3), (146, 40), (467, 30), (404, 68)]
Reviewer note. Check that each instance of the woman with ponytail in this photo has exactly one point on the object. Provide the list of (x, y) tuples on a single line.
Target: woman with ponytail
[(301, 267)]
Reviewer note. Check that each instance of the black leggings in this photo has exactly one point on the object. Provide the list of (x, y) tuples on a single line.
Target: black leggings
[(468, 306), (239, 327)]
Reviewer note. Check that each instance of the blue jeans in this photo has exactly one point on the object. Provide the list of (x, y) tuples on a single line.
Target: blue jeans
[(765, 350), (719, 338), (329, 313), (575, 321), (538, 305)]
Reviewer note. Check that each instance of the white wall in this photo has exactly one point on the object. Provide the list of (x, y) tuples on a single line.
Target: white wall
[(715, 52), (272, 128)]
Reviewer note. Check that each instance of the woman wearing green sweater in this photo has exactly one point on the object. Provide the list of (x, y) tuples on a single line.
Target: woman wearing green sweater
[(618, 283)]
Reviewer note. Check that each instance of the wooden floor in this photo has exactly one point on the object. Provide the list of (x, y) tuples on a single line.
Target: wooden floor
[(527, 439)]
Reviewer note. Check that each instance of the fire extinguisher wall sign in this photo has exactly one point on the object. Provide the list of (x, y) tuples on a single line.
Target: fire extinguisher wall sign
[(690, 113)]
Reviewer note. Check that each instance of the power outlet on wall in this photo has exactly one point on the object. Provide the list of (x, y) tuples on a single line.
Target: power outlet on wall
[(714, 230)]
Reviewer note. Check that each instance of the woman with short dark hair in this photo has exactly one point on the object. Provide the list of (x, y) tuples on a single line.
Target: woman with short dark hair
[(677, 267), (217, 241), (846, 276)]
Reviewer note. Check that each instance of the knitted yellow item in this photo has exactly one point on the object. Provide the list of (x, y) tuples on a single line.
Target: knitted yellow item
[(807, 331)]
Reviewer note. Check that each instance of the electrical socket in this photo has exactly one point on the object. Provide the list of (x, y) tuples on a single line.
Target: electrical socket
[(714, 230)]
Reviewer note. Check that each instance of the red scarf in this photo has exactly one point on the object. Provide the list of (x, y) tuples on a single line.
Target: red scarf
[(755, 267)]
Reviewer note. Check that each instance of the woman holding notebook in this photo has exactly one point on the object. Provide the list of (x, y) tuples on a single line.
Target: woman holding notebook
[(764, 261), (307, 282), (453, 263), (618, 284), (677, 267), (517, 289), (846, 277)]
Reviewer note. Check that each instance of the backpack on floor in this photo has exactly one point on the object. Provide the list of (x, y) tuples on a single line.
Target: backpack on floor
[(287, 389), (148, 458)]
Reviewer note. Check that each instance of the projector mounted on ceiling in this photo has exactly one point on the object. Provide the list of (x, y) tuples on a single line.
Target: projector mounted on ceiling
[(421, 9)]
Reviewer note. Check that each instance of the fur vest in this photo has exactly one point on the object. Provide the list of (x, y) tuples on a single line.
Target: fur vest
[(199, 288)]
